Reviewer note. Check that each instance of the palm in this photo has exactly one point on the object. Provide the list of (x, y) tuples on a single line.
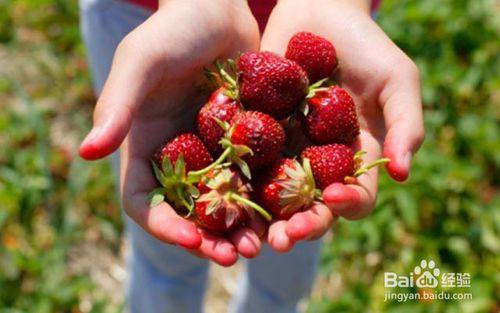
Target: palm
[(152, 93)]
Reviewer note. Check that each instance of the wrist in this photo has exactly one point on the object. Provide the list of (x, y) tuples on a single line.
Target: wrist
[(358, 5), (215, 2), (362, 5)]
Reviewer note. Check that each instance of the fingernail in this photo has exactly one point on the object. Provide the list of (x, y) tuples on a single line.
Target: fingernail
[(94, 133), (407, 161)]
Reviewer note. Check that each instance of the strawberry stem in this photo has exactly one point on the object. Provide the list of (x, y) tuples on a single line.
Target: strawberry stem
[(228, 79), (365, 168), (316, 87), (207, 169), (251, 204), (318, 194)]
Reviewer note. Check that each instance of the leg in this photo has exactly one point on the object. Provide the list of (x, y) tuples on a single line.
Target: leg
[(163, 278), (275, 283)]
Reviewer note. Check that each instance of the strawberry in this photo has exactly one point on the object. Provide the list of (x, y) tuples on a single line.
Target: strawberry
[(259, 132), (330, 117), (330, 163), (196, 155), (177, 165), (288, 188), (314, 54), (222, 107), (270, 83), (224, 201), (336, 163)]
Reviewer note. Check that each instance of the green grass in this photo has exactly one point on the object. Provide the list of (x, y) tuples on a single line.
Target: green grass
[(51, 202), (448, 211)]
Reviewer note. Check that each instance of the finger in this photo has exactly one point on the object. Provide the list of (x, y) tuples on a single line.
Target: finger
[(145, 57), (163, 223), (218, 249), (355, 201), (128, 82), (246, 241), (277, 33), (259, 226), (310, 224), (402, 107), (160, 221), (278, 239)]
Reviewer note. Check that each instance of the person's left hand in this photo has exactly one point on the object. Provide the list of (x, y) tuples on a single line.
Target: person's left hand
[(385, 86)]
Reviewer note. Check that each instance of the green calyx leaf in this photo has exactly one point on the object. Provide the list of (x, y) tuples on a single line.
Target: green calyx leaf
[(304, 108), (166, 166), (245, 169), (241, 150), (184, 199), (359, 155), (227, 78), (224, 125), (193, 191), (233, 153), (213, 78), (226, 75), (298, 188), (176, 188), (306, 164), (180, 168), (159, 174), (314, 88), (156, 196)]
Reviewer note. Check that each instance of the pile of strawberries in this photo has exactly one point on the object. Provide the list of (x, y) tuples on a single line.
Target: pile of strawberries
[(235, 164)]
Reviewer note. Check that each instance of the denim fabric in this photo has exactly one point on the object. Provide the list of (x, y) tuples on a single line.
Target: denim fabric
[(164, 278)]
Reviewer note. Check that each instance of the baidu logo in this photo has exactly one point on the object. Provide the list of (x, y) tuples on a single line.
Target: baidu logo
[(424, 275), (427, 276)]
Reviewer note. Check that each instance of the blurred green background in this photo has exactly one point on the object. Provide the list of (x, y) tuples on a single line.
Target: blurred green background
[(60, 226)]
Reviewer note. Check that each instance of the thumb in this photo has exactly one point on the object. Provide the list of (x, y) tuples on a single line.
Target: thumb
[(125, 89), (402, 110)]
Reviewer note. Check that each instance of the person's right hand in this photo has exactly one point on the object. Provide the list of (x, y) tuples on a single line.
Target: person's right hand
[(151, 94)]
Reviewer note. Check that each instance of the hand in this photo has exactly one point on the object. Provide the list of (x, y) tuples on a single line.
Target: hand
[(385, 86), (151, 94)]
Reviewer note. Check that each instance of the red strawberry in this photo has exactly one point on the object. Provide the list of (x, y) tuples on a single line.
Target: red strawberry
[(330, 163), (259, 132), (173, 165), (336, 163), (330, 117), (288, 188), (314, 54), (224, 201), (270, 83), (222, 107), (196, 155)]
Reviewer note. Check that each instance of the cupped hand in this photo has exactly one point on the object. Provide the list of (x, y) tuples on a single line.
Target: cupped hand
[(152, 93), (385, 86)]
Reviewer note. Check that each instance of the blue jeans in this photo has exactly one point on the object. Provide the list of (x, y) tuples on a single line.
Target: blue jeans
[(164, 278)]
